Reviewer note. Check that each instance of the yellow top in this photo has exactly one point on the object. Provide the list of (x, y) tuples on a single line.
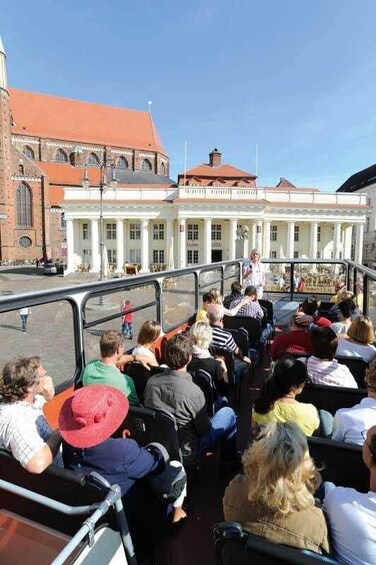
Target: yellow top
[(305, 415), (201, 315)]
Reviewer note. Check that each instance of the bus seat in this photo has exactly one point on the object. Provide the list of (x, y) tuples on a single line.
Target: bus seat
[(204, 381), (52, 408), (357, 368), (140, 376), (234, 545), (340, 463), (331, 398)]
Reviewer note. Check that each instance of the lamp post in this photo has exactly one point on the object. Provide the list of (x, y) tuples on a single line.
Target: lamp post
[(102, 189)]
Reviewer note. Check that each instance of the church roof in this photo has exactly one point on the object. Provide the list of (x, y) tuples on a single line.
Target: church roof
[(54, 117), (359, 180), (223, 171)]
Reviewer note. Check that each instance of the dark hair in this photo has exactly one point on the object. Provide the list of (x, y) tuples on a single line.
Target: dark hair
[(250, 291), (309, 306), (179, 350), (236, 288), (324, 343), (207, 297), (288, 373), (346, 307)]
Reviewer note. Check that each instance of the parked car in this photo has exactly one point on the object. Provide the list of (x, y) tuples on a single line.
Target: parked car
[(49, 268)]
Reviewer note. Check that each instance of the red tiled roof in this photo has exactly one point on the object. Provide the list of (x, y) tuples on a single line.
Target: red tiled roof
[(54, 117), (67, 175), (285, 183), (222, 171)]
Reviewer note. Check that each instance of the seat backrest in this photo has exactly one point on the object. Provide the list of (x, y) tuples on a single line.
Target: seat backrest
[(140, 376), (357, 368), (252, 325), (241, 339), (146, 425), (268, 305), (340, 463), (233, 546), (331, 398), (324, 308), (228, 358), (204, 380)]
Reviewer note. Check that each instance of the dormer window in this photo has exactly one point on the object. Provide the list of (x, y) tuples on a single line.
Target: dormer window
[(61, 156), (28, 152), (146, 165)]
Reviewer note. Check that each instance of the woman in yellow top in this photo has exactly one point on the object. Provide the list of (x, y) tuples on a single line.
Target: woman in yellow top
[(277, 402)]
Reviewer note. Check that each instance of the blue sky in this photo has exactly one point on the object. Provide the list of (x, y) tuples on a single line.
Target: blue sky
[(295, 77)]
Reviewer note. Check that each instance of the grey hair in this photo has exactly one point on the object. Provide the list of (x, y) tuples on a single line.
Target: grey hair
[(215, 313)]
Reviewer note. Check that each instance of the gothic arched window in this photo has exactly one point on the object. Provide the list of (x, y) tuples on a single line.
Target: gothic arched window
[(163, 169), (93, 160), (146, 165), (24, 203), (61, 156), (21, 169), (122, 163), (28, 152)]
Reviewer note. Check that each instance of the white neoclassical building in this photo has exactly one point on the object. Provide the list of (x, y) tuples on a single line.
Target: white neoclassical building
[(210, 215)]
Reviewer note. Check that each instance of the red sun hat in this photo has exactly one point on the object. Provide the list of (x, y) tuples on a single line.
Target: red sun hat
[(92, 414)]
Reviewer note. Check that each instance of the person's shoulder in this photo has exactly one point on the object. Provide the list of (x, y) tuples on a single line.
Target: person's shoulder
[(341, 495)]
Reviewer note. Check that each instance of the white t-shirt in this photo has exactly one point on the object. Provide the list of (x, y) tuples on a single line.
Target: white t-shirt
[(348, 348), (24, 429), (349, 423), (352, 522), (24, 311), (331, 373)]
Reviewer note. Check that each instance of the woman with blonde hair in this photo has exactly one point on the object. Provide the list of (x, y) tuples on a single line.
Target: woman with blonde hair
[(149, 332), (274, 498), (202, 334), (358, 342), (254, 272)]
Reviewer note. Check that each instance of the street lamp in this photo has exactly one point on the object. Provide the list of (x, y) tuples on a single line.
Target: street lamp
[(102, 189)]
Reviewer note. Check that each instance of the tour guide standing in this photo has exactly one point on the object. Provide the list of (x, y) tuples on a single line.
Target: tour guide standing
[(254, 273)]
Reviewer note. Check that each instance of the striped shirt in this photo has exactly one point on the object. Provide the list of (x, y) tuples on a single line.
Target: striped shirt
[(223, 339), (331, 373), (251, 309)]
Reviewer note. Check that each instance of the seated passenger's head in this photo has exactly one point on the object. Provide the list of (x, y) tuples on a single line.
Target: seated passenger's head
[(149, 332), (361, 330), (201, 334), (281, 475), (207, 299), (19, 378), (216, 295), (288, 378), (215, 314), (251, 291), (178, 351), (309, 306), (346, 307), (370, 378), (236, 288), (369, 448), (324, 343), (91, 415), (111, 344)]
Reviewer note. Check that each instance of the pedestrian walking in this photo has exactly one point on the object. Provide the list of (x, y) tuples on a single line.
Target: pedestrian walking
[(127, 325), (24, 313)]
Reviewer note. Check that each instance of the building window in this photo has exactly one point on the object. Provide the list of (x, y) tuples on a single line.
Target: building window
[(111, 231), (318, 233), (163, 169), (135, 255), (273, 255), (28, 152), (93, 160), (63, 222), (367, 224), (61, 156), (158, 256), (216, 232), (21, 169), (146, 165), (24, 206), (273, 233), (86, 257), (296, 233), (192, 232), (25, 241), (158, 232), (135, 232), (111, 255), (192, 256), (122, 163), (318, 255), (296, 254), (85, 230)]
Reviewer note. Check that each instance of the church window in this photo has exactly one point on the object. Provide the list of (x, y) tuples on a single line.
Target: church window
[(93, 160), (61, 156), (146, 165), (163, 169), (28, 152), (122, 163), (21, 169), (24, 206), (25, 241)]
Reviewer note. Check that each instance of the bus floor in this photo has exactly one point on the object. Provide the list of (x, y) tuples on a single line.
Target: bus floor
[(194, 541)]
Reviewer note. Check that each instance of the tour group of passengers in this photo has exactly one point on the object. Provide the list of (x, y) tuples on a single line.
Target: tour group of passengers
[(276, 494)]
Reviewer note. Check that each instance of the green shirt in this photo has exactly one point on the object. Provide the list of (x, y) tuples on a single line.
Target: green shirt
[(97, 373)]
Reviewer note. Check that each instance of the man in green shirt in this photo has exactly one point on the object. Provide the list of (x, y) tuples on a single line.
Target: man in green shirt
[(104, 371)]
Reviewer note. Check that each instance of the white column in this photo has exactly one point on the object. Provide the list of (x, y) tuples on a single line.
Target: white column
[(169, 245), (290, 240), (359, 244), (207, 241), (259, 235), (144, 246), (266, 252), (347, 242), (337, 240), (313, 241), (119, 246), (70, 246), (232, 238), (182, 243), (95, 255), (126, 240), (253, 237)]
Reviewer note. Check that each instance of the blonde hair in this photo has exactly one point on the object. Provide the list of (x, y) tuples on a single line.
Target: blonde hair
[(361, 330), (217, 296), (281, 475), (343, 294), (149, 332), (202, 334), (255, 251)]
